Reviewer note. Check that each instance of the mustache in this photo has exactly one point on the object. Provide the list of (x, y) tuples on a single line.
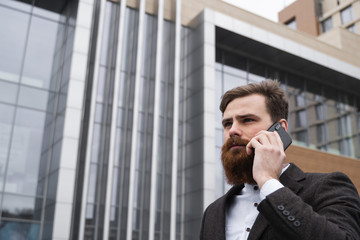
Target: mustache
[(234, 141)]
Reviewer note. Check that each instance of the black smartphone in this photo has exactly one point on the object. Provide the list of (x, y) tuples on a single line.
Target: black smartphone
[(285, 137)]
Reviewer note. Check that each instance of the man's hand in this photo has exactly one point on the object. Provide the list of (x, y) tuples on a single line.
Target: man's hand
[(269, 156)]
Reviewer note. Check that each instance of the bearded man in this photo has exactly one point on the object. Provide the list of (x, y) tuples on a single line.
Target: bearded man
[(270, 198)]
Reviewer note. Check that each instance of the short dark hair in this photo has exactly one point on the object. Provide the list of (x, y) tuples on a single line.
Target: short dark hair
[(275, 99)]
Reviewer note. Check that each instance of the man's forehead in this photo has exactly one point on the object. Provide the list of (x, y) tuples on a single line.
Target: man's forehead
[(252, 105), (250, 101)]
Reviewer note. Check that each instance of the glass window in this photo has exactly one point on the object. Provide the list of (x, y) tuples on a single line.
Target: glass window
[(22, 174), (231, 81), (327, 24), (300, 120), (106, 35), (320, 112), (8, 92), (352, 28), (92, 183), (18, 230), (6, 118), (17, 5), (46, 14), (276, 74), (296, 90), (344, 125), (233, 64), (321, 133), (40, 52), (346, 15), (33, 98), (333, 131), (346, 147), (15, 206), (301, 137), (334, 148), (300, 99), (12, 42), (256, 71), (292, 24), (313, 91)]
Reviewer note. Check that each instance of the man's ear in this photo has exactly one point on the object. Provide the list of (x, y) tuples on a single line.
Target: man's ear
[(284, 123)]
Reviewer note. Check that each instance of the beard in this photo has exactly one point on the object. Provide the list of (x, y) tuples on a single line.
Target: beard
[(236, 162)]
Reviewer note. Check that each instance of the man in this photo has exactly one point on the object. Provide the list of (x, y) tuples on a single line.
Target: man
[(272, 199)]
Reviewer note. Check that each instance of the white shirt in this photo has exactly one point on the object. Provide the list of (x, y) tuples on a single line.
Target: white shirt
[(242, 211)]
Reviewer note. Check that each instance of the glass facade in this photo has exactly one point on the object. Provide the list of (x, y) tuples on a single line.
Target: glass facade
[(33, 87)]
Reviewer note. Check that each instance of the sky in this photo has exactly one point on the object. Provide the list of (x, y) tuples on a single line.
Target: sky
[(266, 8)]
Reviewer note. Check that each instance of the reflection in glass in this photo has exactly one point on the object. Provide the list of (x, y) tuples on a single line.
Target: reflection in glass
[(276, 74), (33, 98), (347, 15), (18, 230), (301, 137), (46, 14), (300, 118), (321, 133), (12, 42), (256, 71), (314, 91), (6, 117), (352, 28), (40, 53), (8, 92), (300, 99), (346, 147), (344, 125), (320, 112), (231, 81), (25, 5), (25, 150), (327, 24), (21, 207)]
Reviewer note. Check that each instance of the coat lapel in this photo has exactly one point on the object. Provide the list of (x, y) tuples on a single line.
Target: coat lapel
[(214, 228), (290, 178)]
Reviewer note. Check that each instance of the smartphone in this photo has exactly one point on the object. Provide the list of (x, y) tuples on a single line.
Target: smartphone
[(285, 137)]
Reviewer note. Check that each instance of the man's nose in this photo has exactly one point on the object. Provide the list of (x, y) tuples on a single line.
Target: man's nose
[(235, 130)]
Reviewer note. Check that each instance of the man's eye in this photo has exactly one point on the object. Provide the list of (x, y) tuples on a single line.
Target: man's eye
[(227, 124), (248, 120)]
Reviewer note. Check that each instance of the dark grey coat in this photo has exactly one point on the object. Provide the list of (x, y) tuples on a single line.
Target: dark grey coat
[(311, 206)]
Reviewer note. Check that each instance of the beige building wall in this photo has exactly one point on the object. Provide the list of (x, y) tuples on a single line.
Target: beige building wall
[(343, 39), (303, 11), (316, 161)]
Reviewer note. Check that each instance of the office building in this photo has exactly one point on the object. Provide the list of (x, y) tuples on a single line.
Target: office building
[(318, 17), (110, 127)]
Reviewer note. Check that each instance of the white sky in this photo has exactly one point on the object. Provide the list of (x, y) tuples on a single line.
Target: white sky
[(266, 8)]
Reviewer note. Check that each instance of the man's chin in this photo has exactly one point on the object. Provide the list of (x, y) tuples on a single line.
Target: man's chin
[(238, 169)]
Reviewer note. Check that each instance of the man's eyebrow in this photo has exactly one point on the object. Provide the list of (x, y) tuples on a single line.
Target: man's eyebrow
[(248, 115), (225, 120)]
